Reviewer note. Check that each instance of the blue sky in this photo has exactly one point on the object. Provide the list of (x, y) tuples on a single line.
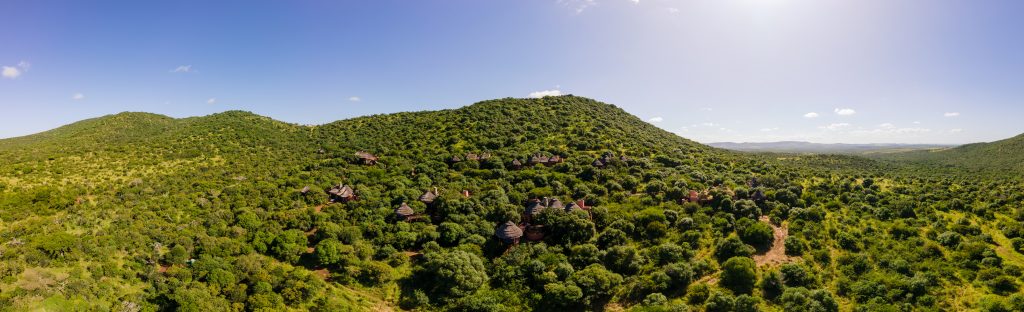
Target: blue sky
[(913, 71)]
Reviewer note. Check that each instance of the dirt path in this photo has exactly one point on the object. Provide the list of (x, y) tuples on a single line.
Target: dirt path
[(319, 209), (777, 254)]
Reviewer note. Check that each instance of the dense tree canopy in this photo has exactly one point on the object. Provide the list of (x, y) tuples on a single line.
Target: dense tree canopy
[(141, 212)]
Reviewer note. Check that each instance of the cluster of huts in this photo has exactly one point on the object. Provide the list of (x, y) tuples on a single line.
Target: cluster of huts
[(609, 158), (342, 194), (705, 196), (470, 157), (510, 232), (370, 159)]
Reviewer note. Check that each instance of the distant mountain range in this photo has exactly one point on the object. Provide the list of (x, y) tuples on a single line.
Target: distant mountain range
[(822, 148)]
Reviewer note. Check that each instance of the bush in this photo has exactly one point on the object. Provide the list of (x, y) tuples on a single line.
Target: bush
[(738, 275), (758, 234), (794, 246), (732, 247), (453, 274)]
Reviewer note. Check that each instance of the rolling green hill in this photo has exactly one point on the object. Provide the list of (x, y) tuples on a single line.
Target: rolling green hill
[(1004, 157), (137, 211)]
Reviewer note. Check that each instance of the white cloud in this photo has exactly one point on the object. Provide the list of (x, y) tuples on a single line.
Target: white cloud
[(183, 69), (706, 124), (917, 122), (11, 72), (769, 129), (888, 129), (835, 126), (845, 111), (635, 1), (540, 94), (957, 130), (656, 119), (78, 96), (354, 99), (578, 5), (211, 101), (951, 114), (912, 130), (673, 10), (811, 115)]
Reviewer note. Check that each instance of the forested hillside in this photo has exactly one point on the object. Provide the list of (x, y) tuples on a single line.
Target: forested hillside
[(559, 203), (1001, 158)]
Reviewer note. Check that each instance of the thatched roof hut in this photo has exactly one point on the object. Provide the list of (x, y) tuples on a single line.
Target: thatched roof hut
[(538, 159), (576, 205), (404, 211), (517, 164), (597, 163), (508, 232), (342, 193), (429, 196), (554, 203), (304, 190), (535, 207), (472, 157), (367, 158), (455, 159)]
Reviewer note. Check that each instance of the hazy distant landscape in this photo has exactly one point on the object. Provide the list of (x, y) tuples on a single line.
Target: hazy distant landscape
[(824, 148)]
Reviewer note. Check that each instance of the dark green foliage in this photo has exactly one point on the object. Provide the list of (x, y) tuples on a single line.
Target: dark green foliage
[(794, 246), (739, 275), (720, 302), (772, 285), (795, 275), (57, 244), (595, 281), (178, 255), (801, 300), (289, 245), (732, 247), (758, 234), (451, 275)]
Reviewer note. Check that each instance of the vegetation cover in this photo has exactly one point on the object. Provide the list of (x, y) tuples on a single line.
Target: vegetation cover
[(558, 203)]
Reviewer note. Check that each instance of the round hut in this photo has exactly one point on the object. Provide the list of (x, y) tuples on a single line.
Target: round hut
[(404, 212), (508, 232)]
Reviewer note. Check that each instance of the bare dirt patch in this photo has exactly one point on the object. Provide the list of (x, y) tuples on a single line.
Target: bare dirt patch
[(322, 273), (775, 255)]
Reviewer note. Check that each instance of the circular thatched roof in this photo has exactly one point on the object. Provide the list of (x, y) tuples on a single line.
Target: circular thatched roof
[(508, 231), (535, 208), (404, 210)]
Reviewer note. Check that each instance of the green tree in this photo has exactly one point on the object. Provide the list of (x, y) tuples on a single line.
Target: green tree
[(177, 255), (595, 281), (731, 247), (758, 234), (738, 275), (289, 245), (450, 275)]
